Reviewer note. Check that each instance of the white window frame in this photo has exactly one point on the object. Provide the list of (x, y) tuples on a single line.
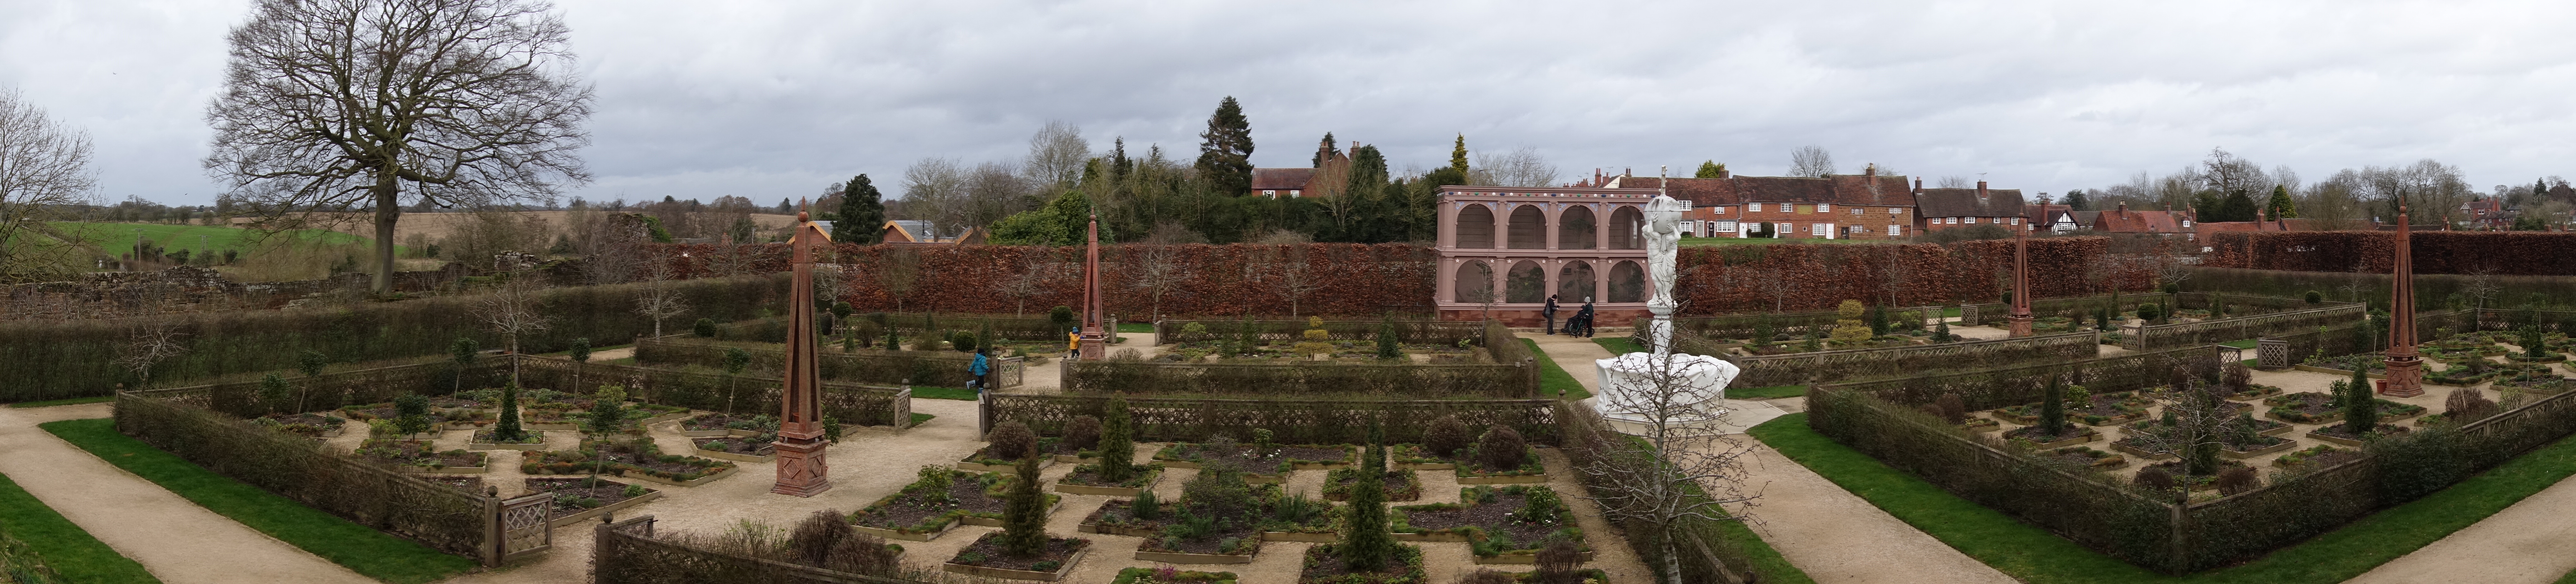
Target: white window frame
[(2016, 220), (1895, 210), (1721, 210), (1824, 230), (1824, 207), (1753, 207), (1724, 227), (1895, 231)]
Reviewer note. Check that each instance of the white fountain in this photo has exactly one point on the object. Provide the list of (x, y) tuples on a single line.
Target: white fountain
[(1627, 380)]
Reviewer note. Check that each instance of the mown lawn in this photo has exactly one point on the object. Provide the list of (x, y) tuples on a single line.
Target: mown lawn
[(1552, 379), (66, 547), (364, 550), (2035, 555), (930, 392)]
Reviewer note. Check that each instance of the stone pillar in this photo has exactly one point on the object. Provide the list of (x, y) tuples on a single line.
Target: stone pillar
[(801, 468), (1095, 339), (2405, 367), (2020, 318)]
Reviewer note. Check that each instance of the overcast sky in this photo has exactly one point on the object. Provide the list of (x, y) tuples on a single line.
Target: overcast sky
[(779, 99)]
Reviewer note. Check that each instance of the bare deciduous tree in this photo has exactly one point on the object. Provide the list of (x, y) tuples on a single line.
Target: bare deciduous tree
[(1955, 181), (2202, 424), (1057, 155), (1810, 161), (512, 311), (1680, 466), (1030, 281), (897, 271), (147, 343), (659, 302), (1290, 278), (335, 105), (1522, 167), (1779, 284), (1157, 272), (2481, 288), (44, 171)]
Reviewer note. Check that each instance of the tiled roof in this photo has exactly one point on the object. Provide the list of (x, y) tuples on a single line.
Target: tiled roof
[(2046, 214), (1966, 203), (2135, 221), (1840, 189), (1281, 178)]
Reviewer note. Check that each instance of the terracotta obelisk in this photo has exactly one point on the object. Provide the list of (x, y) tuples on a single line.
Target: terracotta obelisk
[(1095, 338), (800, 445), (2019, 319), (2405, 367)]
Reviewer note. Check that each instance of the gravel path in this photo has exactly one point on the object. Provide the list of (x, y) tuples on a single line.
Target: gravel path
[(140, 519), (1836, 536), (2525, 543)]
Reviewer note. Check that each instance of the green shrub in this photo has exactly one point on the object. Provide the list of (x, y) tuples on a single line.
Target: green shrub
[(706, 327)]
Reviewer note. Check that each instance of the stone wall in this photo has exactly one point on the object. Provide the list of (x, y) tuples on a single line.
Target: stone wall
[(182, 289)]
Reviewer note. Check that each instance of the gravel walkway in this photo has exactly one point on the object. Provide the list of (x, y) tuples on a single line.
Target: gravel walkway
[(140, 519)]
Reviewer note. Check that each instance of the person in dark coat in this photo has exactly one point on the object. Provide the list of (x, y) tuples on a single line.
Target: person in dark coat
[(1585, 316), (1550, 311)]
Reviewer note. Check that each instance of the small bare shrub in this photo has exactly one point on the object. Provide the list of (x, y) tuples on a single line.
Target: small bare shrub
[(1501, 448), (2155, 478), (2237, 480), (1445, 437), (1012, 440), (1953, 408), (1559, 562), (860, 553), (812, 541), (1083, 432), (2467, 405), (2239, 379)]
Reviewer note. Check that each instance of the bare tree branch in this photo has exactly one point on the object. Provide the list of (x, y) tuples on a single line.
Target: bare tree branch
[(44, 171)]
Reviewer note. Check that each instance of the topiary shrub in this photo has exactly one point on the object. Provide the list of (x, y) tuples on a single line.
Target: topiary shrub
[(1501, 448), (1024, 513), (706, 327), (1083, 433), (2316, 298), (1012, 440), (963, 341), (1445, 437)]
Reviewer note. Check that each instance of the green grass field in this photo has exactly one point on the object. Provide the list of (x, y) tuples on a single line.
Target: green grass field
[(65, 402), (1553, 379), (66, 547), (1135, 327), (2031, 554), (2570, 578), (120, 237), (367, 551)]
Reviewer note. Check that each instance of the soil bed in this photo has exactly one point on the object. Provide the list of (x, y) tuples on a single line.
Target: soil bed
[(754, 446), (987, 552), (1399, 485), (306, 425), (571, 496), (1120, 514), (1494, 512), (415, 453), (1324, 564), (911, 511)]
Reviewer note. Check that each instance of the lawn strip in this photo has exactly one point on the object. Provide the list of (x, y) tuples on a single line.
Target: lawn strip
[(955, 393), (1619, 345), (2034, 555), (1769, 392), (918, 418), (65, 546), (1553, 378), (364, 550)]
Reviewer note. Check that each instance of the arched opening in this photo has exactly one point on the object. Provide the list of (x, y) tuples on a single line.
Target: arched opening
[(1475, 282), (1625, 224), (1529, 229), (1526, 284), (1475, 227), (1574, 229), (1573, 282), (1627, 282)]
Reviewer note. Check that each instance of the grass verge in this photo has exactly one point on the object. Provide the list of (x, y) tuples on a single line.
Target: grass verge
[(65, 547), (65, 402), (367, 551), (1619, 345), (1552, 378), (1135, 327), (2031, 554), (931, 392), (918, 418), (2570, 578), (1772, 392), (1765, 560)]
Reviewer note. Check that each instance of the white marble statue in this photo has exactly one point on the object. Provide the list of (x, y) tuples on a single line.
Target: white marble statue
[(1643, 390), (1663, 232)]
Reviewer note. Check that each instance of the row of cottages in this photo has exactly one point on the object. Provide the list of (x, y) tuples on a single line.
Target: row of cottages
[(1841, 206)]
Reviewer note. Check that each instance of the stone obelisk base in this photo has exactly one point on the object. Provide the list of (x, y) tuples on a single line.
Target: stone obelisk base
[(801, 470), (2405, 377), (2018, 325)]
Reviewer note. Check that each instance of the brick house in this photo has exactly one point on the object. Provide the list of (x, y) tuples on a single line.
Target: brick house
[(1956, 208), (2051, 218), (1842, 206), (2123, 220), (1324, 180)]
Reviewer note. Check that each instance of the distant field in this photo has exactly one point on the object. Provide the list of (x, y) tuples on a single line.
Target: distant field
[(116, 238), (440, 225)]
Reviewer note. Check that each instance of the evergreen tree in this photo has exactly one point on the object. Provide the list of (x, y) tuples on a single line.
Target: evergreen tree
[(1878, 323), (2360, 408), (2052, 409), (1387, 347), (273, 392), (2077, 201), (1710, 169), (1024, 513), (580, 354), (2237, 206), (1117, 443), (508, 429), (1321, 150), (2280, 206), (1225, 154), (1942, 333), (1373, 459), (862, 213), (1458, 157), (463, 351), (1366, 546)]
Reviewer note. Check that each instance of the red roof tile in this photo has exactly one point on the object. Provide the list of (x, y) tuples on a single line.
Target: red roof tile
[(1281, 178)]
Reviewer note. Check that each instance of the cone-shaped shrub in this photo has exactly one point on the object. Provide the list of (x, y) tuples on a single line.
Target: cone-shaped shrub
[(2052, 410), (508, 428), (1387, 348), (1365, 544), (1024, 513), (1373, 459), (2360, 410), (1117, 443)]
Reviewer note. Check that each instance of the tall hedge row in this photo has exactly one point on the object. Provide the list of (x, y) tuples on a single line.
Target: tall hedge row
[(2510, 253)]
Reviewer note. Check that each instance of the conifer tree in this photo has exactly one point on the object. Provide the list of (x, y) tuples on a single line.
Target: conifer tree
[(2280, 206), (1117, 443), (508, 429), (2052, 410), (463, 351), (862, 213), (1225, 152), (1373, 459), (1387, 347), (1366, 546), (273, 390), (2360, 408), (1458, 156), (1710, 169), (1024, 513)]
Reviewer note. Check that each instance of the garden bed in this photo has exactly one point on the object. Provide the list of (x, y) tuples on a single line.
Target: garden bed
[(637, 459), (1287, 517), (985, 558), (1170, 575), (1324, 565), (983, 459), (1411, 456), (418, 456), (718, 425), (2073, 434), (1472, 469), (2335, 434), (2258, 446), (2197, 482), (482, 440), (761, 448), (1399, 485), (2305, 407), (1118, 517), (1274, 461), (2085, 456), (306, 425), (1085, 480), (578, 500), (2316, 457), (1511, 520), (2255, 391)]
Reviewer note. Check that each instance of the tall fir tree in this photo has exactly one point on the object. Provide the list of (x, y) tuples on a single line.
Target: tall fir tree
[(1024, 513), (508, 428), (1322, 150), (1225, 151), (2052, 410), (1458, 156), (862, 213), (1366, 546), (2236, 206), (1117, 442), (2280, 206), (2360, 408), (1373, 459), (1387, 347), (1710, 169)]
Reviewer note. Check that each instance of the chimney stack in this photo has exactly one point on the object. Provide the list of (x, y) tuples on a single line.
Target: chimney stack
[(1981, 189), (2124, 209), (1871, 172), (1722, 172), (1918, 186)]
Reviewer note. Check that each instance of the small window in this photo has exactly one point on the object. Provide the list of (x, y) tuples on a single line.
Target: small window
[(1895, 210), (1857, 210), (1724, 227), (1824, 207), (2016, 220), (1270, 193), (1895, 231), (1972, 221), (1721, 210), (1753, 207)]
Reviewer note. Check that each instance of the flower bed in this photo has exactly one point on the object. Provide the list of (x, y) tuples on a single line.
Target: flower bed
[(1171, 575), (983, 459), (2306, 407), (2316, 457), (2253, 445), (467, 483), (2255, 391), (986, 558), (2133, 441), (712, 425), (1512, 520), (2039, 438), (1287, 517), (1411, 456), (306, 425), (1400, 485), (1980, 424), (580, 499), (1085, 480), (2197, 482), (638, 459), (759, 448), (1118, 517), (418, 456), (1324, 565), (923, 510), (1254, 459), (483, 440), (2335, 434), (1472, 470), (2085, 456)]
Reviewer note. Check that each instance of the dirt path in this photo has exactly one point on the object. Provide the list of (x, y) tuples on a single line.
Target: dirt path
[(1836, 536), (178, 541)]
